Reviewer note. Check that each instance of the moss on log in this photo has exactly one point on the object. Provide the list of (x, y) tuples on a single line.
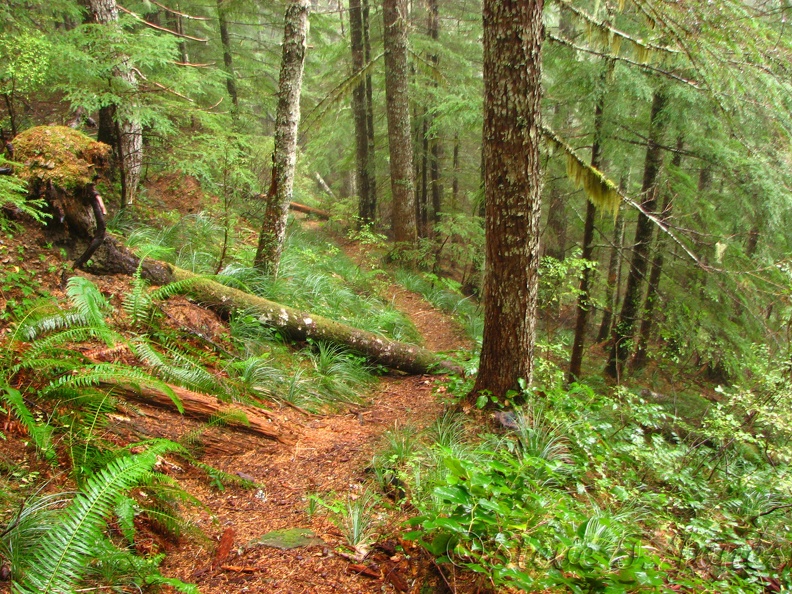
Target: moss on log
[(300, 325)]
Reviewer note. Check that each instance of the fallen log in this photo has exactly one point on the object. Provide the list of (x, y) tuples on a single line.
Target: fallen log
[(322, 214), (300, 325), (201, 406)]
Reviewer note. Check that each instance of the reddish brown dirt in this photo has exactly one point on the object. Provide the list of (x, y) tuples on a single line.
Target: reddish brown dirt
[(330, 457)]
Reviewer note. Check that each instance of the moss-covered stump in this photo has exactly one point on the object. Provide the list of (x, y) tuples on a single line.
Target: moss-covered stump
[(61, 165)]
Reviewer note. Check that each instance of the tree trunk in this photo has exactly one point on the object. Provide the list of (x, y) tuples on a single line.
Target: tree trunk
[(584, 298), (394, 15), (422, 203), (513, 34), (284, 158), (455, 181), (228, 59), (623, 331), (555, 245), (436, 149), (614, 277), (366, 200), (372, 170), (652, 294), (300, 325), (128, 127)]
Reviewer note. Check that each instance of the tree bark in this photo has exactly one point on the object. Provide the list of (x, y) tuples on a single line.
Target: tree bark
[(367, 205), (228, 58), (436, 148), (513, 34), (300, 325), (622, 335), (455, 166), (129, 129), (394, 15), (653, 292), (555, 246), (584, 297), (614, 277), (372, 170), (203, 406), (284, 158)]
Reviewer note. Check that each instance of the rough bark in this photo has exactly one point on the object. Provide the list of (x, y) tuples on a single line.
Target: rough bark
[(367, 205), (228, 58), (622, 335), (284, 158), (422, 201), (614, 277), (513, 34), (656, 272), (584, 297), (128, 128), (300, 325), (394, 15), (455, 166), (203, 406)]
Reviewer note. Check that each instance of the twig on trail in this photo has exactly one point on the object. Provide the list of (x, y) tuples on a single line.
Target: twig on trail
[(442, 575)]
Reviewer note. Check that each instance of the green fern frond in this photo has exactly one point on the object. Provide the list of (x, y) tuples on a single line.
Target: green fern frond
[(29, 331), (110, 373), (176, 288), (137, 303), (88, 300), (125, 516), (159, 580), (41, 434), (61, 557)]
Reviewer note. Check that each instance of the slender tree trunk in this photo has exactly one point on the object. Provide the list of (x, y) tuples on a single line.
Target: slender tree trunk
[(513, 34), (394, 15), (653, 292), (284, 158), (436, 149), (584, 297), (129, 129), (228, 59), (555, 245), (422, 203), (455, 166), (372, 163), (614, 277), (623, 331), (366, 206)]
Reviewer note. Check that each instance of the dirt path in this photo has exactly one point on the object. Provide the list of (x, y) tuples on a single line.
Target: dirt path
[(331, 456)]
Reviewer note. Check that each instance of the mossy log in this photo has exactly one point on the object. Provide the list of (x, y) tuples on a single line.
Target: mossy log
[(300, 325)]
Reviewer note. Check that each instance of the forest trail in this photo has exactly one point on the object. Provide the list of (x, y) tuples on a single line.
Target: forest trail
[(329, 459)]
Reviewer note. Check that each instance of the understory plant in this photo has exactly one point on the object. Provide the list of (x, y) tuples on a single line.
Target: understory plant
[(592, 492)]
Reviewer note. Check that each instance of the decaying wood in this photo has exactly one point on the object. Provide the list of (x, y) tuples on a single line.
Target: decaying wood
[(322, 214), (302, 325), (202, 406)]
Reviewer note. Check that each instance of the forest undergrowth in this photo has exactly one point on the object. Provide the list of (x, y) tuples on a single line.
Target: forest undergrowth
[(581, 488)]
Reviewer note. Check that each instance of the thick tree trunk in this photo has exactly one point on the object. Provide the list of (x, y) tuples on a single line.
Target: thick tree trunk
[(394, 15), (300, 325), (367, 206), (653, 292), (455, 181), (129, 129), (284, 158), (623, 331), (614, 277), (513, 34), (228, 58), (422, 202), (584, 297)]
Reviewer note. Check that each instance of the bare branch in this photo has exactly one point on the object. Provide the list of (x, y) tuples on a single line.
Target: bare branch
[(159, 28)]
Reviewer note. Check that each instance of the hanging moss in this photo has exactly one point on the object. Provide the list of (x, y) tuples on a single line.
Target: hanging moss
[(60, 156), (602, 192)]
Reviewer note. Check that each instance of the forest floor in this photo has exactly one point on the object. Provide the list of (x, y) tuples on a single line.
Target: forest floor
[(329, 459)]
